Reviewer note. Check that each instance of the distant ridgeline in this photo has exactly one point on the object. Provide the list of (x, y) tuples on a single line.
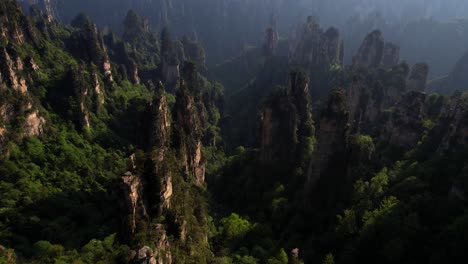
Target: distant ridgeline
[(117, 148), (422, 28)]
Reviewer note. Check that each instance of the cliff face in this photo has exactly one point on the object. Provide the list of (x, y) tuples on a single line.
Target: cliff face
[(286, 122), (162, 197), (406, 121), (148, 193), (87, 44), (311, 47), (418, 77), (374, 52), (451, 131), (372, 91), (332, 137), (319, 53), (190, 121), (455, 81), (15, 75), (391, 55)]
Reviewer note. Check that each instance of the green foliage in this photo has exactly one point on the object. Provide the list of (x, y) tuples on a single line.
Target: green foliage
[(328, 259), (56, 190), (280, 258), (234, 227)]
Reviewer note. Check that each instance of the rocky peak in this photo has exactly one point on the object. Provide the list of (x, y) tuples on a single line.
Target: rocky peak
[(285, 119), (160, 131), (455, 81), (190, 120), (391, 55), (418, 77), (454, 124), (134, 27), (311, 47), (371, 91), (270, 46), (331, 47), (170, 62), (47, 6), (278, 124), (331, 134), (132, 188), (371, 51), (374, 52), (11, 72), (193, 51), (87, 44), (405, 121)]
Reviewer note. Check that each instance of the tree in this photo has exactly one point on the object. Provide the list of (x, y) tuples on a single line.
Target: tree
[(234, 227), (328, 259)]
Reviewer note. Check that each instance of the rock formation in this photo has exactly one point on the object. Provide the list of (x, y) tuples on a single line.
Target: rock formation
[(371, 91), (406, 121), (285, 122), (17, 104), (391, 55), (371, 52), (166, 183), (311, 47), (189, 121), (374, 52), (331, 134), (418, 78), (271, 42), (88, 44), (455, 81)]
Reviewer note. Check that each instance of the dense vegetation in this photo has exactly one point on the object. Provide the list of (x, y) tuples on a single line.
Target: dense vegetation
[(118, 148)]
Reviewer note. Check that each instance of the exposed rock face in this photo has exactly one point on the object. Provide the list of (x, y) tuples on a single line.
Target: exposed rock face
[(149, 195), (132, 187), (158, 197), (108, 70), (458, 77), (372, 91), (278, 124), (160, 130), (10, 72), (331, 136), (134, 72), (405, 123), (8, 255), (331, 50), (162, 254), (371, 51), (47, 6), (311, 47), (454, 124), (190, 131), (193, 51), (88, 44), (15, 79), (455, 81), (285, 121), (418, 77), (171, 73), (374, 52), (34, 124), (271, 42), (80, 91), (391, 55), (319, 53), (159, 137)]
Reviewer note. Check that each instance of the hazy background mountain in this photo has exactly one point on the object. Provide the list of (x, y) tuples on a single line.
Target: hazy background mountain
[(427, 30)]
